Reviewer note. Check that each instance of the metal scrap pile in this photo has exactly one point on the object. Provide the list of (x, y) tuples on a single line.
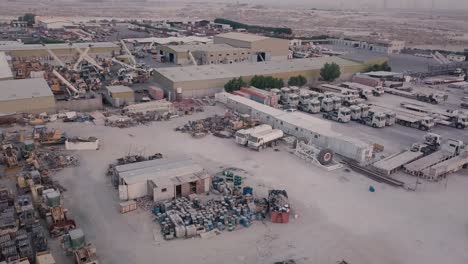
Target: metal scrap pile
[(53, 159), (135, 119), (183, 217), (19, 238), (220, 126)]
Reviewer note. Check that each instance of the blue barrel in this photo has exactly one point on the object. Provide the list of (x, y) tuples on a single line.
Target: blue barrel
[(247, 190)]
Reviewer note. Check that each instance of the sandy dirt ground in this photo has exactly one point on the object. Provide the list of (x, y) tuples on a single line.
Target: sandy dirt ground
[(337, 217)]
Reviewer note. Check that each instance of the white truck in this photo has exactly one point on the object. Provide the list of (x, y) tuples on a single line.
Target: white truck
[(312, 106), (343, 115), (421, 123), (459, 121), (264, 139), (389, 114), (242, 136), (374, 119), (449, 150), (289, 99), (327, 105), (356, 112)]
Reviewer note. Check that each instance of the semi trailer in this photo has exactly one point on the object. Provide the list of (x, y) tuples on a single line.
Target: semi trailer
[(449, 150)]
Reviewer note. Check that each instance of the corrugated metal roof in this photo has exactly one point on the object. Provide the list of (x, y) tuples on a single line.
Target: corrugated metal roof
[(119, 89), (5, 71), (170, 40), (204, 47), (153, 168), (242, 36), (163, 175), (228, 71), (24, 89), (58, 46)]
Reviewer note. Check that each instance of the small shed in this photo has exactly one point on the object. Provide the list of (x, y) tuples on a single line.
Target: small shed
[(119, 95), (162, 179)]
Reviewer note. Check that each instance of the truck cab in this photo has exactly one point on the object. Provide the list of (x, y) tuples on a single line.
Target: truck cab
[(427, 122), (378, 91), (343, 115), (460, 121), (430, 145), (375, 119), (336, 103), (454, 146), (364, 110), (304, 98), (355, 112), (295, 89), (327, 105), (390, 118)]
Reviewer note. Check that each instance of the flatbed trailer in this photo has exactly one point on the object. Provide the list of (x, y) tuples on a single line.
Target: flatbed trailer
[(417, 167), (401, 93), (452, 165), (391, 164)]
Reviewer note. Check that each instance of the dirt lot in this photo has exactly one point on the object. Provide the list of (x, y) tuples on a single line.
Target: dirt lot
[(337, 217)]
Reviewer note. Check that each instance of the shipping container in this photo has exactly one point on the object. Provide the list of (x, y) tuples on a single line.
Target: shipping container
[(156, 93)]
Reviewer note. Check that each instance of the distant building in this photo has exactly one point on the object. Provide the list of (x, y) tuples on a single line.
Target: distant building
[(203, 54), (52, 22), (456, 57), (265, 48), (378, 46)]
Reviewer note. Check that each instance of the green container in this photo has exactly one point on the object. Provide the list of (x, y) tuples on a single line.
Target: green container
[(77, 238)]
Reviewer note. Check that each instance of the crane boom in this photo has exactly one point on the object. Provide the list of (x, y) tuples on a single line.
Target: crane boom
[(80, 59), (51, 53), (66, 82), (192, 58), (132, 58), (89, 59)]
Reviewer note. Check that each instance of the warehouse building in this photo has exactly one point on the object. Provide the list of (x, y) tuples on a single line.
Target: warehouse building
[(64, 51), (203, 54), (317, 131), (197, 81), (162, 179), (5, 70), (264, 48), (26, 96), (119, 95)]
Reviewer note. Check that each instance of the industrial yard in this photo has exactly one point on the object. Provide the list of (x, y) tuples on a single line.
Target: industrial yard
[(336, 214), (184, 135)]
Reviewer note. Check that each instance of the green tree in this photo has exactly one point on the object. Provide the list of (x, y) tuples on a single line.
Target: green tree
[(266, 82), (28, 17), (330, 72), (379, 67), (297, 81), (235, 84)]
